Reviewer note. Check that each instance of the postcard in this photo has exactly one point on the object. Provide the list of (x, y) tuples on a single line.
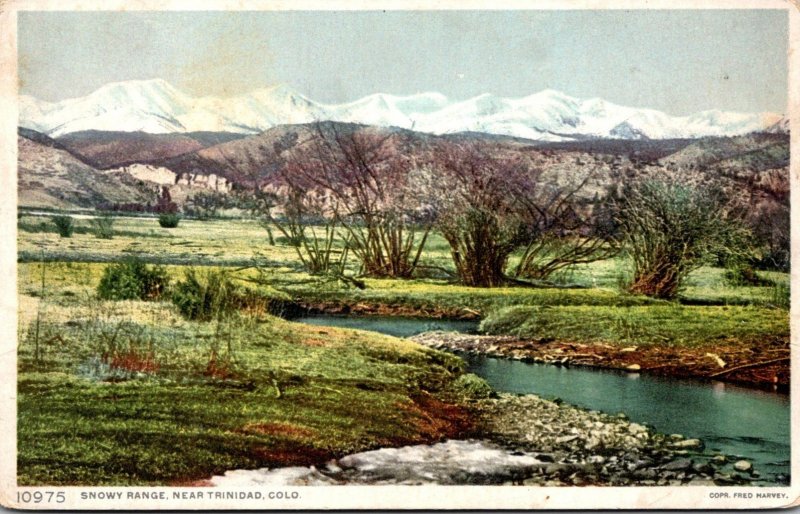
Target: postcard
[(521, 254)]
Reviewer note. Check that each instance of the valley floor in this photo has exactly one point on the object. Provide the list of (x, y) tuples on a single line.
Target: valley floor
[(129, 392)]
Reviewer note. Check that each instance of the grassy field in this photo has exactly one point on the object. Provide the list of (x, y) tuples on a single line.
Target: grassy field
[(129, 392)]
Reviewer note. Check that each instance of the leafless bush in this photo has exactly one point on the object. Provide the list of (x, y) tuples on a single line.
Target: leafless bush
[(489, 204), (362, 175)]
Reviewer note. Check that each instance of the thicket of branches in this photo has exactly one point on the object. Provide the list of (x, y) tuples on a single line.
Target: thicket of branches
[(489, 205), (670, 229), (347, 192), (475, 197), (354, 185), (563, 230)]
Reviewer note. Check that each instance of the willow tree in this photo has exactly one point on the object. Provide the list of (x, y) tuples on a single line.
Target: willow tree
[(670, 229), (363, 173), (491, 201), (563, 228), (475, 194)]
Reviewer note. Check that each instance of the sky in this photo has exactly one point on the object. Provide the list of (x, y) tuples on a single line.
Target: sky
[(679, 62)]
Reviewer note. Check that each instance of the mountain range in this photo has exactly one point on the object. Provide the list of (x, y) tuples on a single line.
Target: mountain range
[(156, 107)]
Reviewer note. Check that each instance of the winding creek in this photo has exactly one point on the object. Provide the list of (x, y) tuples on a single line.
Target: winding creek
[(730, 420)]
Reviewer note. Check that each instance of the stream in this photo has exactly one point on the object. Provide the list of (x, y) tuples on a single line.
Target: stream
[(732, 420)]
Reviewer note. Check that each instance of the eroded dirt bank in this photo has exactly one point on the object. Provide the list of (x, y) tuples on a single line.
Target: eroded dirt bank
[(766, 365)]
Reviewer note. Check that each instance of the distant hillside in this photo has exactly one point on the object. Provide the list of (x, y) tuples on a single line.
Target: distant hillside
[(259, 156), (113, 149), (49, 176), (753, 166), (762, 150), (647, 150), (38, 137)]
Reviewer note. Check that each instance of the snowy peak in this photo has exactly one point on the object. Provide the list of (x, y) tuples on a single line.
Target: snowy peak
[(782, 126), (155, 106)]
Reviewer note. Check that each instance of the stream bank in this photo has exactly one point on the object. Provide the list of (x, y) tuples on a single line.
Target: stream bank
[(739, 423), (765, 365), (725, 363), (525, 440)]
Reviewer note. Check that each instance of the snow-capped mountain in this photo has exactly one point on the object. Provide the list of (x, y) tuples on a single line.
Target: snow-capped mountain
[(782, 126), (154, 106)]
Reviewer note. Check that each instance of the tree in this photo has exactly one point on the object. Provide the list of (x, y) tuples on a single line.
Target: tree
[(475, 195), (309, 226), (362, 174), (671, 229), (165, 205), (563, 229), (490, 202), (204, 204)]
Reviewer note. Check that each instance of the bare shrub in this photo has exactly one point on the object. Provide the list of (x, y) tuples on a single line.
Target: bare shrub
[(362, 176), (489, 203)]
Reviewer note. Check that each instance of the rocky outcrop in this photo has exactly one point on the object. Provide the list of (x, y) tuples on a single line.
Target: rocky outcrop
[(199, 180), (157, 174)]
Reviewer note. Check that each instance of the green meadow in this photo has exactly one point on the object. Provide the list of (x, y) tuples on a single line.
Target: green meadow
[(132, 392)]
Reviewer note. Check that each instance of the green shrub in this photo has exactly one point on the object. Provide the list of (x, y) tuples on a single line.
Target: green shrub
[(780, 296), (132, 279), (64, 225), (103, 227), (472, 387), (746, 276), (671, 229), (168, 220), (205, 297), (213, 294)]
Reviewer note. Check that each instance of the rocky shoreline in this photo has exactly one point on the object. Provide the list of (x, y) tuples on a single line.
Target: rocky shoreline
[(675, 362), (580, 447), (529, 441), (525, 440), (588, 447)]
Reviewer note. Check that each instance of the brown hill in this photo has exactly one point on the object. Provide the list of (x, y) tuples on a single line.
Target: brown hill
[(105, 150), (258, 157), (52, 177)]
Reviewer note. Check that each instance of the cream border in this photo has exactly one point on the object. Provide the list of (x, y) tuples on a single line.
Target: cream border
[(362, 497)]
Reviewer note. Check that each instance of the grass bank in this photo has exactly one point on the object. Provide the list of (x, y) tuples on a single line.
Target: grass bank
[(670, 325), (129, 392)]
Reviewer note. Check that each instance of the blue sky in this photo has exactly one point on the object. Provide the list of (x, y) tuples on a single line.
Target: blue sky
[(679, 61)]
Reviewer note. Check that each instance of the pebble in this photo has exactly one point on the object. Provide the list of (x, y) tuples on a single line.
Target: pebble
[(688, 443), (678, 465), (742, 465)]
